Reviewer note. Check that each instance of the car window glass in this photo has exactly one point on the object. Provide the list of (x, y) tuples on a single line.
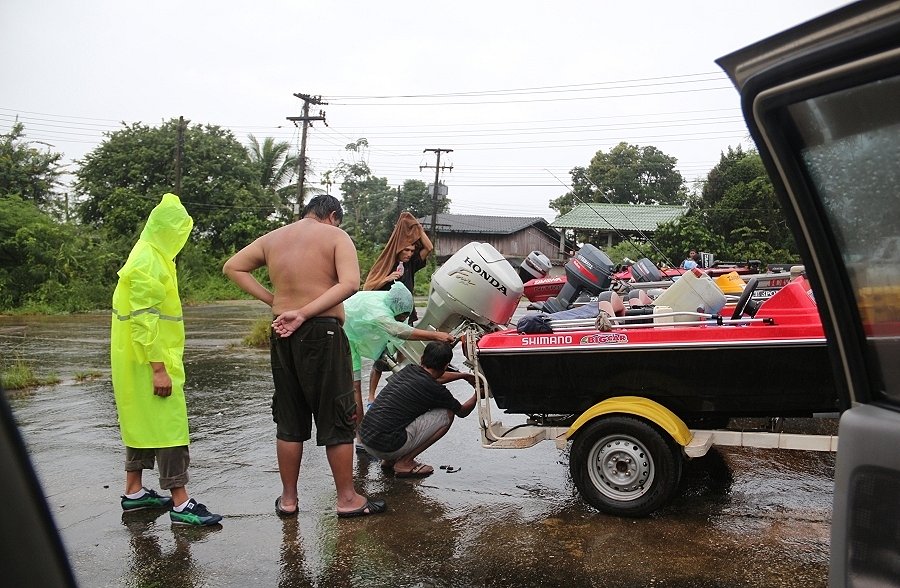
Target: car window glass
[(850, 145)]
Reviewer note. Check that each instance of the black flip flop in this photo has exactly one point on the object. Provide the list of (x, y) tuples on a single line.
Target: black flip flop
[(282, 512), (372, 506), (418, 471)]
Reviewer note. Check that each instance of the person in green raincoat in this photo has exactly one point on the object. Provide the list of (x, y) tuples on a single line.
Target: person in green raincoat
[(147, 344), (376, 319)]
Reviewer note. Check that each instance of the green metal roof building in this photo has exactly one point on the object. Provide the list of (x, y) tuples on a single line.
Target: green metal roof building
[(615, 222)]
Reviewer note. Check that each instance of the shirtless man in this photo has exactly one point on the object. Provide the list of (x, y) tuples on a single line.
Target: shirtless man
[(313, 267)]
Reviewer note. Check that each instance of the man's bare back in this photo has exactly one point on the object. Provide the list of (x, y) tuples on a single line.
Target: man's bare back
[(313, 268), (312, 264)]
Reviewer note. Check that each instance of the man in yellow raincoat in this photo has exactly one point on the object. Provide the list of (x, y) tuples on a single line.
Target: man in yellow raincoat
[(147, 344)]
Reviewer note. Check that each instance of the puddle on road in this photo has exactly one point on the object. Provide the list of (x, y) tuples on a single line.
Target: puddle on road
[(743, 517)]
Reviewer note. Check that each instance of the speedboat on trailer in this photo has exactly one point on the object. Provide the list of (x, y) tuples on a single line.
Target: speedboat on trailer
[(638, 394), (765, 360), (709, 369), (635, 393)]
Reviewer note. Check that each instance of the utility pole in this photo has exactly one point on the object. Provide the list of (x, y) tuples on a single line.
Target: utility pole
[(306, 119), (179, 155), (399, 209), (434, 196)]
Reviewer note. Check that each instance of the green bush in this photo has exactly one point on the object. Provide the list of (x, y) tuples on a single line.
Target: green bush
[(367, 252), (200, 277), (60, 267), (632, 250), (78, 295), (423, 278)]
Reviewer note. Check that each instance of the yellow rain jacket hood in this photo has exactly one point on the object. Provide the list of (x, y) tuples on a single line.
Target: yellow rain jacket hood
[(147, 326)]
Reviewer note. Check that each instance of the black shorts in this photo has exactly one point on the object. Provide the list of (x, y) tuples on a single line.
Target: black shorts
[(313, 379)]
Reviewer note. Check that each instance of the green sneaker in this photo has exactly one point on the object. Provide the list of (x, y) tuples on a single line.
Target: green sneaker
[(194, 514), (149, 500)]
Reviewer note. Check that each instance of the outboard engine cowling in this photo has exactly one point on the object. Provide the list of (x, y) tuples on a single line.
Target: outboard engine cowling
[(475, 284), (644, 270), (589, 271), (535, 266)]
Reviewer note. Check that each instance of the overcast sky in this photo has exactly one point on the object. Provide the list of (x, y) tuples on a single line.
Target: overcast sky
[(521, 91)]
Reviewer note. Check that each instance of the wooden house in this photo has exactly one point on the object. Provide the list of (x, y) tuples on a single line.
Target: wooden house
[(513, 236)]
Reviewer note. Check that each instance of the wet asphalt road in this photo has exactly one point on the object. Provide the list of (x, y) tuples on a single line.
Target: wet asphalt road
[(744, 517)]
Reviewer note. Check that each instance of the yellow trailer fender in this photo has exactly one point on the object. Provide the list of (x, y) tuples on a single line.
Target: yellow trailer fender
[(643, 407)]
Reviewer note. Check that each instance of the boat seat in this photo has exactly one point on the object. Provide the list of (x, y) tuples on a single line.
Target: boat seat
[(607, 307), (616, 305), (638, 298)]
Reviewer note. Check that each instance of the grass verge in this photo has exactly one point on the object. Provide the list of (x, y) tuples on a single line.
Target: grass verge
[(259, 333), (19, 376)]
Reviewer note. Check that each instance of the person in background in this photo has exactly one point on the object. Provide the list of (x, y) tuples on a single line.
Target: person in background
[(413, 411), (692, 260), (146, 350), (406, 253), (313, 267)]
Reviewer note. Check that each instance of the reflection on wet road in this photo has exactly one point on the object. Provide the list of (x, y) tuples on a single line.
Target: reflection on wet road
[(744, 517)]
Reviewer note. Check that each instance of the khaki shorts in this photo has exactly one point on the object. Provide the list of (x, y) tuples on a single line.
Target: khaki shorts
[(417, 432), (173, 464)]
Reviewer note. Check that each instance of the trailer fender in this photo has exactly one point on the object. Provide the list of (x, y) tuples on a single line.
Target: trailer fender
[(654, 412)]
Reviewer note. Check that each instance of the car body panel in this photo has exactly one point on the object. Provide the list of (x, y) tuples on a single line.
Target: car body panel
[(33, 553), (822, 102)]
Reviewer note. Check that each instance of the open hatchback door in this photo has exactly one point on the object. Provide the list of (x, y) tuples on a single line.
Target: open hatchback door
[(822, 102)]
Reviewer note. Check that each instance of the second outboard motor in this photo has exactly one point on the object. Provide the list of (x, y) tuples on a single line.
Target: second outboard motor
[(535, 266), (590, 271), (644, 270)]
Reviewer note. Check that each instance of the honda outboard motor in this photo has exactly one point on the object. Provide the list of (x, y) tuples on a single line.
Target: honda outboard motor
[(535, 266), (475, 284), (590, 272)]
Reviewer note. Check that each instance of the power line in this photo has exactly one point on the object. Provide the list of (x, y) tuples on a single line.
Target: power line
[(728, 87), (404, 141), (539, 130), (61, 135), (118, 124), (716, 76)]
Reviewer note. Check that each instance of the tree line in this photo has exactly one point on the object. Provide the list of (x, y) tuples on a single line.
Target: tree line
[(733, 213), (60, 251)]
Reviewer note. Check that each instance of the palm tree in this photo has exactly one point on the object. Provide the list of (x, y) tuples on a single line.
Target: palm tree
[(277, 169), (274, 162)]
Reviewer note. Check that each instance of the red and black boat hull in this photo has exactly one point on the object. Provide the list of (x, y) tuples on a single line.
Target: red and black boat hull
[(739, 379), (774, 365)]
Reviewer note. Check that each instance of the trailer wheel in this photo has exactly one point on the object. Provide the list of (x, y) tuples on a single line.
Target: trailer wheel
[(624, 466)]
